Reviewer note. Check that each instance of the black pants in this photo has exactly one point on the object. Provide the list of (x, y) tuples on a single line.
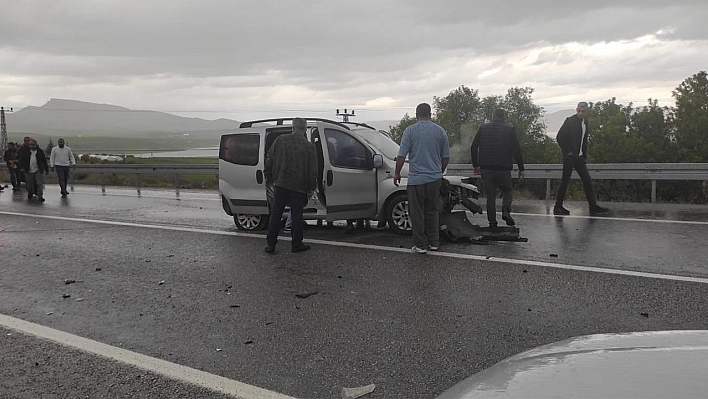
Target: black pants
[(297, 201), (63, 177), (14, 177), (495, 180), (577, 163)]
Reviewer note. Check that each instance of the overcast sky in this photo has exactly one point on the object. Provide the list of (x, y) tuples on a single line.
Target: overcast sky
[(258, 59)]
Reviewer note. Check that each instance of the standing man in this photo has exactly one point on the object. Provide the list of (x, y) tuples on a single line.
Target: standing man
[(11, 158), (34, 164), (426, 145), (291, 167), (494, 148), (573, 141), (62, 158)]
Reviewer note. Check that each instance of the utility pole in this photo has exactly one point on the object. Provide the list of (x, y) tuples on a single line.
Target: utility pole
[(3, 131), (345, 115)]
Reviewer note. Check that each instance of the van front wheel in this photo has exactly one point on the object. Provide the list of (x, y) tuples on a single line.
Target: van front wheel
[(246, 221), (398, 217)]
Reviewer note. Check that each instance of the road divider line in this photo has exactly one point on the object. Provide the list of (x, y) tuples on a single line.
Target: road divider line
[(482, 258), (612, 218), (159, 366)]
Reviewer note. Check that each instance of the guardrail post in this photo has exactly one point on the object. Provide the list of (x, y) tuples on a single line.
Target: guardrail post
[(653, 191), (137, 182), (103, 183), (548, 189), (177, 184)]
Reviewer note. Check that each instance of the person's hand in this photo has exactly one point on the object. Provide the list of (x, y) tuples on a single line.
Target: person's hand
[(396, 179), (522, 174), (477, 170), (52, 168)]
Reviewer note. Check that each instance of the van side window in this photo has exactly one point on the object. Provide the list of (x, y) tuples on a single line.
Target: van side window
[(241, 149), (346, 152)]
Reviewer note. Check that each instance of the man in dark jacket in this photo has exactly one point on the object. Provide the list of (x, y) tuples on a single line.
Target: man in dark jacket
[(494, 149), (291, 167), (13, 169), (573, 141), (33, 163)]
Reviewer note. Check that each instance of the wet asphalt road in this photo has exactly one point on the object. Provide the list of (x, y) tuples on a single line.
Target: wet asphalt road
[(411, 324)]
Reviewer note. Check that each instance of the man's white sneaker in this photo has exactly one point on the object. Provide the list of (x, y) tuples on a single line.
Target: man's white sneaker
[(419, 250)]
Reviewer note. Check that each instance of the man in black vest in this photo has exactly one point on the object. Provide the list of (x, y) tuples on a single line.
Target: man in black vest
[(573, 141), (494, 149)]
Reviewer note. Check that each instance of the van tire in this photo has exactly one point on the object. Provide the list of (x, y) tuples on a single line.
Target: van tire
[(397, 215), (246, 221)]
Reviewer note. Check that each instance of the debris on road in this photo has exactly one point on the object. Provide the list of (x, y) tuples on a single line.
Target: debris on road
[(98, 269), (553, 255), (306, 294), (79, 299), (69, 281), (161, 282), (645, 314), (65, 296), (249, 342), (353, 393), (235, 306)]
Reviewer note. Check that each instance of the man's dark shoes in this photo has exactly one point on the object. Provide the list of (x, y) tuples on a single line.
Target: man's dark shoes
[(506, 216), (301, 248), (41, 199), (493, 225), (598, 210), (270, 250), (560, 211)]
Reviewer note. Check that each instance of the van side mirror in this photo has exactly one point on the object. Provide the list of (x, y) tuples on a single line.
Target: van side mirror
[(378, 160)]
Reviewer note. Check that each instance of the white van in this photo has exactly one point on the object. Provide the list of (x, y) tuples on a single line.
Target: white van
[(356, 168)]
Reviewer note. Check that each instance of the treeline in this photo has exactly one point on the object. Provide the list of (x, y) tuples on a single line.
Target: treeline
[(619, 134)]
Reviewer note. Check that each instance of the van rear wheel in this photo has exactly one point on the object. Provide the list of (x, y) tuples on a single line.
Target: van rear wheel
[(245, 221), (398, 216)]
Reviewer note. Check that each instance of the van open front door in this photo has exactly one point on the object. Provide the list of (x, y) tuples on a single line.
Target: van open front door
[(349, 174)]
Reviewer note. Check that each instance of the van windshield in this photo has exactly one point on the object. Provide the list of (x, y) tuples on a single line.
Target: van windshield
[(380, 142)]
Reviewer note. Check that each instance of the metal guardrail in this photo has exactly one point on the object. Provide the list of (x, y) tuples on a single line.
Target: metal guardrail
[(614, 171), (621, 171)]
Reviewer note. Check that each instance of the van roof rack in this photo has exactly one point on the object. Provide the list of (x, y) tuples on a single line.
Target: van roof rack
[(279, 121)]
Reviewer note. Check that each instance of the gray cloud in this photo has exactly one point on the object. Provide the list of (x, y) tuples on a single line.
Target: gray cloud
[(271, 55)]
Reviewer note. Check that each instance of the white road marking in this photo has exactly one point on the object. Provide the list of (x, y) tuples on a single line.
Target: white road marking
[(162, 367), (614, 218), (383, 248)]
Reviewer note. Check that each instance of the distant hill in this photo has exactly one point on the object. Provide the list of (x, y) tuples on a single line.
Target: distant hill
[(554, 120), (74, 118), (383, 125)]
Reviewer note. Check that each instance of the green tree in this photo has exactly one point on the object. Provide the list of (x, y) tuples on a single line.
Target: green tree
[(461, 108), (651, 127), (610, 139), (690, 118), (397, 130)]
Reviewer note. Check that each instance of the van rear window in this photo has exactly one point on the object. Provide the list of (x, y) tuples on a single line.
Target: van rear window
[(241, 149)]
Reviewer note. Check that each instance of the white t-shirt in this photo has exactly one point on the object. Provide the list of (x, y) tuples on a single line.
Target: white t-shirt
[(33, 161), (582, 139)]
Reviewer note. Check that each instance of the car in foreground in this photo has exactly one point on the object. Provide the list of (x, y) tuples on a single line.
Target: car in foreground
[(651, 364)]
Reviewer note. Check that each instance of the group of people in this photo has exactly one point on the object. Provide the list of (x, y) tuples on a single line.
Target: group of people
[(291, 167), (494, 150), (29, 161)]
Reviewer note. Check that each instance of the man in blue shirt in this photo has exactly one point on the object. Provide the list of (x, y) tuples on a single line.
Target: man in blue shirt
[(428, 150)]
